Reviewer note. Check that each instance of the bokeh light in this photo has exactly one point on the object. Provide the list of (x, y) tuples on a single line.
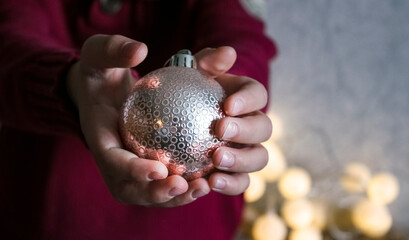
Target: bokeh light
[(372, 219), (256, 188), (383, 188), (269, 227), (294, 183), (276, 163), (298, 213)]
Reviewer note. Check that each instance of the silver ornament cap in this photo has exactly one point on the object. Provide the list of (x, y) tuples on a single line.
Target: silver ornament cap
[(170, 115), (183, 58)]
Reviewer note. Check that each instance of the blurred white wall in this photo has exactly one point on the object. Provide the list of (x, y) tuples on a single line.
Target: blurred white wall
[(340, 85)]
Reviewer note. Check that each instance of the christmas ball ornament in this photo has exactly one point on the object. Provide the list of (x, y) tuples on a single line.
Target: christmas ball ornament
[(170, 114)]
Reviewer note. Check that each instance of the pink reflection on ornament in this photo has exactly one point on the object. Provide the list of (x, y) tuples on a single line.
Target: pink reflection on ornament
[(153, 82)]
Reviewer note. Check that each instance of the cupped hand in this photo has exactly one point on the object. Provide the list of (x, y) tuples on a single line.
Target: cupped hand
[(245, 124), (98, 85)]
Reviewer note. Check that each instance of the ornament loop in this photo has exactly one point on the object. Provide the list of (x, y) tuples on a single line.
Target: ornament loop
[(182, 58)]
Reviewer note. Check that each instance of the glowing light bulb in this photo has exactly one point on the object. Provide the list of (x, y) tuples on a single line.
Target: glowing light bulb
[(355, 177), (297, 213), (320, 212), (383, 188), (269, 227), (372, 219), (276, 163), (256, 188), (308, 233), (294, 183)]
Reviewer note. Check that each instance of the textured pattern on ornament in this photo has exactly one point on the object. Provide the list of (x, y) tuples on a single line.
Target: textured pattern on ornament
[(170, 116)]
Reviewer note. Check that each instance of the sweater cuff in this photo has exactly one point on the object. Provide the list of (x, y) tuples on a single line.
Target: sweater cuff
[(46, 97)]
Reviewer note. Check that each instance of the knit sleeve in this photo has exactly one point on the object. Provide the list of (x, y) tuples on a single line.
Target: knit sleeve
[(34, 57), (227, 23)]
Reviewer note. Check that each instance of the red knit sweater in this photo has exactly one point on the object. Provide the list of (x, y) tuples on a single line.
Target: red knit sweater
[(50, 186)]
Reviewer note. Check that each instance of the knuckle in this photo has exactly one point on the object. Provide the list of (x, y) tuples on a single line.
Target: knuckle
[(264, 157), (265, 93), (110, 43), (256, 91), (269, 129), (259, 90), (246, 181), (156, 197), (262, 93)]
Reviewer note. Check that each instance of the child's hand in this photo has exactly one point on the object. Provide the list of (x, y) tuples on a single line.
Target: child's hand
[(245, 124)]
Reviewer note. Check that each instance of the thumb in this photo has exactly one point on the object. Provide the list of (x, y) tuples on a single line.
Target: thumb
[(216, 61), (112, 51)]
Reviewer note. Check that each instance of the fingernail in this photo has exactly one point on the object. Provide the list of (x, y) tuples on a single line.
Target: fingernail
[(175, 192), (154, 176), (231, 130), (198, 194), (220, 184), (227, 160), (237, 107)]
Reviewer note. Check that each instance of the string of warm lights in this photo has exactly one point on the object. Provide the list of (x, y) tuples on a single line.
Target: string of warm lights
[(282, 201)]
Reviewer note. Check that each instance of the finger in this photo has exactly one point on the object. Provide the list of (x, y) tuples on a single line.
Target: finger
[(197, 188), (250, 129), (245, 94), (112, 51), (154, 193), (229, 184), (105, 143), (126, 165), (215, 61), (164, 190), (245, 160)]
